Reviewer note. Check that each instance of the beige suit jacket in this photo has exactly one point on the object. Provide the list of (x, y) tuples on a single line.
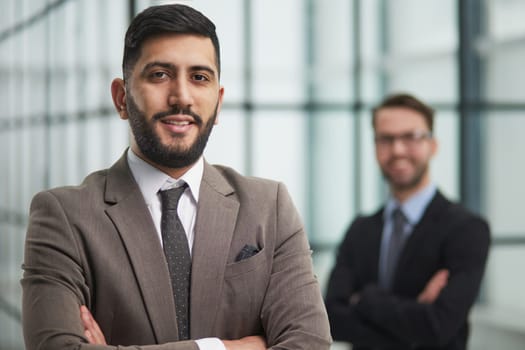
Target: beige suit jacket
[(95, 244)]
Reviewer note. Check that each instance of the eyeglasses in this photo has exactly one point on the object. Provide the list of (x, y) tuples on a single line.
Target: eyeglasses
[(410, 139)]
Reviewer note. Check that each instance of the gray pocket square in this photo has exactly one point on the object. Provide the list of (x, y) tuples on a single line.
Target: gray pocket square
[(246, 252)]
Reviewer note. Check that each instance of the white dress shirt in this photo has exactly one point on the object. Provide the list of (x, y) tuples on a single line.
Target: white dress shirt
[(151, 180)]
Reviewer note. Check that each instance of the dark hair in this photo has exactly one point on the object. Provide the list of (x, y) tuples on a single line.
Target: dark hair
[(406, 101), (156, 20)]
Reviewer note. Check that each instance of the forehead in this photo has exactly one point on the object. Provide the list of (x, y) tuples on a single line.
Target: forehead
[(178, 49), (399, 119)]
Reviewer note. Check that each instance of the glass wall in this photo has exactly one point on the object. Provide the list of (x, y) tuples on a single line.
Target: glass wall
[(300, 79), (501, 50), (57, 59)]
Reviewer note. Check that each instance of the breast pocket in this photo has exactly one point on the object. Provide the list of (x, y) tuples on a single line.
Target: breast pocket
[(245, 284), (246, 265)]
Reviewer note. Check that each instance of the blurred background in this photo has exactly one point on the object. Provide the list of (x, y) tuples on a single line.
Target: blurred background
[(300, 77)]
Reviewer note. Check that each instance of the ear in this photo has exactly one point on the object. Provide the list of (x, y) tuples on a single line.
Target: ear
[(434, 146), (118, 93), (219, 104)]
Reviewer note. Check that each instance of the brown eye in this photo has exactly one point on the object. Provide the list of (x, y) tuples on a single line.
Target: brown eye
[(158, 75), (200, 77)]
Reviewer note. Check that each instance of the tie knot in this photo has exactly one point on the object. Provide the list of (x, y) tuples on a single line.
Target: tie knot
[(170, 198), (399, 219), (398, 216)]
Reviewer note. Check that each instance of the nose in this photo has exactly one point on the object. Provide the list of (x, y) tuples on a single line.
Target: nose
[(398, 146), (180, 94)]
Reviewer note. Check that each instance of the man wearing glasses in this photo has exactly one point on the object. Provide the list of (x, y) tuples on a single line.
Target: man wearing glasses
[(407, 276)]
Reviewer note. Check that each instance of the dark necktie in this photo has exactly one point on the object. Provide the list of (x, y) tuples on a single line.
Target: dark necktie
[(394, 247), (175, 243)]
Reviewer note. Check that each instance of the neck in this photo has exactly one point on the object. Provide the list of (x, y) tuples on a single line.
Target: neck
[(174, 173), (403, 194)]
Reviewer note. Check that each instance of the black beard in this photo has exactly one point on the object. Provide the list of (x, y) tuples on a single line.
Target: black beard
[(150, 144)]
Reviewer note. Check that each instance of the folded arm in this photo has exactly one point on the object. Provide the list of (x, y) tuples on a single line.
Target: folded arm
[(56, 282), (95, 336), (293, 313), (345, 323), (434, 323)]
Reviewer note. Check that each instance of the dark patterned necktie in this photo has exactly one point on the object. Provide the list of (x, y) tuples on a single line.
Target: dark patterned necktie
[(395, 246), (176, 250)]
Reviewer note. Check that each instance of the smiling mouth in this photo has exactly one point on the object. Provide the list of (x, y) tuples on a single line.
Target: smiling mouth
[(177, 123)]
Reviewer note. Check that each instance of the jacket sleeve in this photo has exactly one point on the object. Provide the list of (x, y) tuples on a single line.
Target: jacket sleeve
[(464, 254), (293, 313), (54, 283), (346, 323)]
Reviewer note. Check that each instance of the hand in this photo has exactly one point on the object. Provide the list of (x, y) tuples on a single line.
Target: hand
[(433, 287), (91, 329), (354, 298), (247, 343)]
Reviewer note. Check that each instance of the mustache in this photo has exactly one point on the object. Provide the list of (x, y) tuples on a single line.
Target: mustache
[(178, 110)]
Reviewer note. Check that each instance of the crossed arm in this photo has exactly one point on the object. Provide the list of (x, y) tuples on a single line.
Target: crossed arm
[(374, 317), (59, 270), (433, 287), (53, 287), (429, 294), (95, 336)]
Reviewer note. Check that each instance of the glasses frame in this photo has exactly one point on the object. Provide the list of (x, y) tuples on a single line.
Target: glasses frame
[(410, 139)]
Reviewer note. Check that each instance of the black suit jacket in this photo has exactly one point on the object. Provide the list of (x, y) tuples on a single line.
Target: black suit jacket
[(447, 236)]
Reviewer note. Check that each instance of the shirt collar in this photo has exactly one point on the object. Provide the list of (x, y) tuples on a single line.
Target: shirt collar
[(151, 179), (414, 207)]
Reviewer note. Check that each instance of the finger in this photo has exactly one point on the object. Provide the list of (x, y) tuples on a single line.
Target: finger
[(442, 278), (85, 316), (92, 330), (98, 332), (443, 273), (89, 337)]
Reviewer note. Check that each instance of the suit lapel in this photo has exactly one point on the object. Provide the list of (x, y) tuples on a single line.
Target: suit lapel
[(216, 218), (426, 226), (375, 234), (136, 229)]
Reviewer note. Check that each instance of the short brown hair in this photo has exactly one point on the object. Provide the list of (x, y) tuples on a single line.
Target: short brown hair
[(406, 101)]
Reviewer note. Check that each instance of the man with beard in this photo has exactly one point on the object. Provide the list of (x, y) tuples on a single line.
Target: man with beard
[(163, 250), (407, 276)]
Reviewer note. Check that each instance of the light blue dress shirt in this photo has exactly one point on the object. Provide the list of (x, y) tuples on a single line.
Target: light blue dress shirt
[(413, 210)]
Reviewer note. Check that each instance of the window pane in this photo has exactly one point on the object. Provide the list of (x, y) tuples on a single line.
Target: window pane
[(503, 290), (332, 157), (278, 46), (504, 173), (226, 144), (278, 151)]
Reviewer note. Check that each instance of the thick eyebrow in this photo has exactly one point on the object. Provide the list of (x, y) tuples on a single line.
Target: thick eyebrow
[(172, 67), (203, 68), (157, 64)]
